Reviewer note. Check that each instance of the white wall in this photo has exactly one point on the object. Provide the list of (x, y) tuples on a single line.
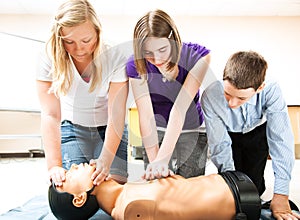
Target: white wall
[(276, 38)]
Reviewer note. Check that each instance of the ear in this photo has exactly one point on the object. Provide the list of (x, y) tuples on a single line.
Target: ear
[(80, 199), (261, 87)]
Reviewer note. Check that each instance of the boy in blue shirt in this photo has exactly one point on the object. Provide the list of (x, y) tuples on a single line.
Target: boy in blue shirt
[(247, 120)]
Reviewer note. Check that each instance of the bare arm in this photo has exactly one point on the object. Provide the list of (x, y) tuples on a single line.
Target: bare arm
[(50, 128), (180, 107), (146, 117), (117, 97)]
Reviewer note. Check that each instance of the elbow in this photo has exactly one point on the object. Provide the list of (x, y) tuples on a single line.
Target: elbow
[(207, 59), (51, 115)]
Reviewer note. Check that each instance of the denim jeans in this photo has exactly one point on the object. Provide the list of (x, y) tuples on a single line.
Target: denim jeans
[(80, 144), (189, 156)]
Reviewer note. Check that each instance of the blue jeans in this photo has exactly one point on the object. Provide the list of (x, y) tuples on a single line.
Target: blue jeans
[(80, 144), (189, 156)]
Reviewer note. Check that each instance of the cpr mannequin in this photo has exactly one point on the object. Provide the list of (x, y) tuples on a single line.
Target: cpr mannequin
[(204, 197)]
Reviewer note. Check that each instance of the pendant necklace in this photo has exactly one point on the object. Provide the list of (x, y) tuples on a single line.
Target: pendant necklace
[(169, 76)]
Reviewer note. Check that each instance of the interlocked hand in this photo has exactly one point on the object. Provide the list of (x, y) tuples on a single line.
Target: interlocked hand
[(101, 172), (157, 170)]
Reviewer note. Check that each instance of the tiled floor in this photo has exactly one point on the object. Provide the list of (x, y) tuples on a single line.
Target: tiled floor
[(22, 179)]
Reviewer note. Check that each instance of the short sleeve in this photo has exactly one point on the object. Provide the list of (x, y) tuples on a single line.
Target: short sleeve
[(190, 54), (117, 66), (113, 63), (131, 68), (43, 68)]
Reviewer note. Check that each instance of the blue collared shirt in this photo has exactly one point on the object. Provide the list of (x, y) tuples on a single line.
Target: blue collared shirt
[(268, 105)]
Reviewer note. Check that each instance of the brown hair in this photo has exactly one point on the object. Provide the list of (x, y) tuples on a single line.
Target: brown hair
[(245, 69), (158, 24)]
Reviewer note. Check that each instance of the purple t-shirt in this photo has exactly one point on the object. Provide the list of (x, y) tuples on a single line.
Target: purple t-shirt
[(163, 93)]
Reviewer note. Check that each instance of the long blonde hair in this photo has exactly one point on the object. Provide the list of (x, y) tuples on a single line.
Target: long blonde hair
[(70, 14)]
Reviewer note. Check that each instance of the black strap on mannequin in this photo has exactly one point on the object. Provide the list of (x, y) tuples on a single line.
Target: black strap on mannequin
[(239, 212), (245, 195)]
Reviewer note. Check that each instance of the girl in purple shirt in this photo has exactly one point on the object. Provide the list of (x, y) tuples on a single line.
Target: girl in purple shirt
[(165, 75)]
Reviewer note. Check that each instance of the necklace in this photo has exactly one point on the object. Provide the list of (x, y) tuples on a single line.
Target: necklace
[(169, 75), (166, 77), (87, 73)]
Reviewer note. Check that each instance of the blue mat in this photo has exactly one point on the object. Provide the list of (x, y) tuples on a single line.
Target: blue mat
[(38, 208)]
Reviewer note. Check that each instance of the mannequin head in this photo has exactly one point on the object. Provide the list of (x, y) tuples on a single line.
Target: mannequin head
[(74, 199)]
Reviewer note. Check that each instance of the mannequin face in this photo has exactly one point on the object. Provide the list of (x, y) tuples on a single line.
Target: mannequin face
[(78, 179)]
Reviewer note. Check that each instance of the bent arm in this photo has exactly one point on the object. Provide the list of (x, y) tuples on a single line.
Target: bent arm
[(218, 139), (183, 101)]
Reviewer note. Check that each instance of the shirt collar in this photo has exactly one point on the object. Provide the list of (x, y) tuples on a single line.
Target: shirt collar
[(253, 99)]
